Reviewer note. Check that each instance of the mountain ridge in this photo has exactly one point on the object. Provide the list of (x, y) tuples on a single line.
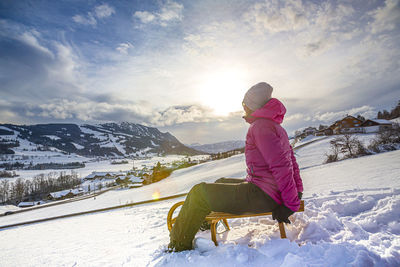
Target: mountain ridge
[(219, 146), (107, 139)]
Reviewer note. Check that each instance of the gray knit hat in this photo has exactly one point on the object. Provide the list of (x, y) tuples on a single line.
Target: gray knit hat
[(257, 96)]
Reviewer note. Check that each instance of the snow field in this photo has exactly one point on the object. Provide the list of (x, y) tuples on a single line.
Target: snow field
[(330, 233), (351, 218)]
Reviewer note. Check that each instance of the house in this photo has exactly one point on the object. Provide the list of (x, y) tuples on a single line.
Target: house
[(348, 124), (135, 180), (325, 131), (376, 125), (104, 175), (25, 204), (65, 194), (306, 132)]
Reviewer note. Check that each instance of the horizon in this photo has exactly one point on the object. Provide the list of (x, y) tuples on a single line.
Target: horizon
[(184, 66)]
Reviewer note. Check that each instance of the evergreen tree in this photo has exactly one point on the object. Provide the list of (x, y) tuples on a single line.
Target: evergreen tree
[(385, 114)]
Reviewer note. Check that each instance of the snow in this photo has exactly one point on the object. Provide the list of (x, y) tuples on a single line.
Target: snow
[(135, 179), (63, 193), (104, 174), (153, 144), (78, 146), (308, 139), (53, 137), (94, 165), (381, 121), (351, 218), (30, 203), (99, 135)]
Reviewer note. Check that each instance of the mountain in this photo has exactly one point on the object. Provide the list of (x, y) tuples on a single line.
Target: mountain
[(218, 147), (109, 139)]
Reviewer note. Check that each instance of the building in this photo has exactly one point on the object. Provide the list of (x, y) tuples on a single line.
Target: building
[(26, 204), (306, 132), (65, 194), (376, 125), (104, 175), (348, 124)]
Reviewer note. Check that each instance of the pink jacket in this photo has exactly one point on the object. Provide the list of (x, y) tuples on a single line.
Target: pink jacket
[(271, 164)]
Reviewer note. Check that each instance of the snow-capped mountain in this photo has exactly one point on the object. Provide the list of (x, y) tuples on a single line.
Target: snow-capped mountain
[(109, 139), (218, 147)]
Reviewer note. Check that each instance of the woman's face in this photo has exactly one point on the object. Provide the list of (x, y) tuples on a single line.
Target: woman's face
[(247, 110)]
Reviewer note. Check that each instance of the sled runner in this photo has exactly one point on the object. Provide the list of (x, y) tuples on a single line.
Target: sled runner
[(214, 217)]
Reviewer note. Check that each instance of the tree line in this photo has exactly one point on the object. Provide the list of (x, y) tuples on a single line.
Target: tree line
[(37, 188), (389, 115)]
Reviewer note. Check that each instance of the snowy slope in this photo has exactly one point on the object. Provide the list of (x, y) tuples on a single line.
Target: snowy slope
[(352, 218)]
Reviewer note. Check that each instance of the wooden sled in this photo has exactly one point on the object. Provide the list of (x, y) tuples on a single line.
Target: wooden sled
[(214, 217)]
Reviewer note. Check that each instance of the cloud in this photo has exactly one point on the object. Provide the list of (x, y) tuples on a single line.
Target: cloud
[(330, 117), (104, 11), (386, 18), (31, 39), (85, 20), (144, 16), (169, 11), (99, 12), (315, 27), (34, 68), (124, 47), (181, 114), (106, 108), (275, 17)]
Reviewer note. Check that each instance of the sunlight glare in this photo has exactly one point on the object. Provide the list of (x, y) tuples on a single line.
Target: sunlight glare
[(156, 194), (223, 90)]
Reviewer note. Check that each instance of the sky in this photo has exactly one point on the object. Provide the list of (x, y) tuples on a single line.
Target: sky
[(184, 66)]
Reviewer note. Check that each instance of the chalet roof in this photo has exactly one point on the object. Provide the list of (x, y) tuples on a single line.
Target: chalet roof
[(62, 193), (30, 203), (135, 179), (381, 121), (378, 122), (104, 174), (26, 204)]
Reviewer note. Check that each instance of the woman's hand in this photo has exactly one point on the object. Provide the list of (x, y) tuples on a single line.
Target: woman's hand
[(282, 213), (300, 195)]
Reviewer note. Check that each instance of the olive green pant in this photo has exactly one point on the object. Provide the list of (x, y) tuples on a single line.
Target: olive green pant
[(225, 195)]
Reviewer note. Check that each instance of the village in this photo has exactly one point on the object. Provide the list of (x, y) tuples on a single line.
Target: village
[(98, 183), (347, 125)]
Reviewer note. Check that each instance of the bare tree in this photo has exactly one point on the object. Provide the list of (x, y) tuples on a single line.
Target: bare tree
[(4, 190), (18, 189), (347, 145), (334, 155)]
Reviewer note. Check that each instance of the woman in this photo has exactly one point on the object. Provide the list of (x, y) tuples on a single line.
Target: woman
[(273, 180)]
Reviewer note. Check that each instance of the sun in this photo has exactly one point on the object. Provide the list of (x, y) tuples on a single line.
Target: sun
[(222, 90)]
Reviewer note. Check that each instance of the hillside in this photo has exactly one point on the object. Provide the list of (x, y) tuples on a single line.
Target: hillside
[(109, 139), (351, 218)]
